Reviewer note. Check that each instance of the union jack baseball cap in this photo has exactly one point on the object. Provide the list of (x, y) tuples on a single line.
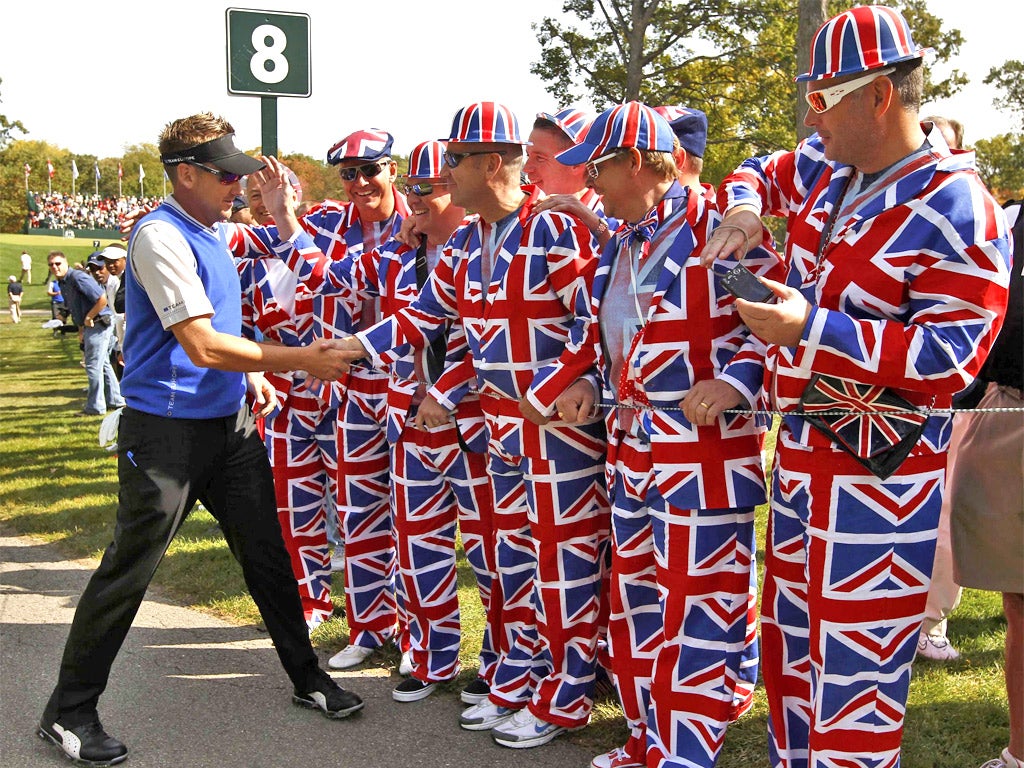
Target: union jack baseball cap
[(486, 122), (627, 125), (570, 120), (858, 40), (689, 125), (426, 160), (370, 144)]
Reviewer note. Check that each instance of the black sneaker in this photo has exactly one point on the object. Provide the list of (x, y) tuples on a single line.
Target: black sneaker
[(475, 692), (412, 689), (87, 744), (330, 698)]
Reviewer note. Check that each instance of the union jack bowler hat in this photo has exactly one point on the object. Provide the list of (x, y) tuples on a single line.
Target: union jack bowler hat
[(426, 160), (571, 121), (486, 122), (689, 125), (371, 144), (628, 125), (864, 38)]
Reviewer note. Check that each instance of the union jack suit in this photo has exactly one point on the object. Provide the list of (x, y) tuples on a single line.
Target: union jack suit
[(908, 293), (439, 477), (683, 596), (550, 505), (299, 435), (359, 402)]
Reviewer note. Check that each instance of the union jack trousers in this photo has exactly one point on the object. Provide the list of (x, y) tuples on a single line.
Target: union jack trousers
[(439, 476), (551, 530), (907, 276), (300, 434), (301, 441), (363, 463), (449, 484), (436, 486), (847, 566), (364, 509), (550, 503), (682, 631), (683, 625)]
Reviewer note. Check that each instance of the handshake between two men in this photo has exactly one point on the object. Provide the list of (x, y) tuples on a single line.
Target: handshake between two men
[(336, 357)]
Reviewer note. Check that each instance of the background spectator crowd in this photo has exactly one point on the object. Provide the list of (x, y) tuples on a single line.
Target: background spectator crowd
[(58, 210)]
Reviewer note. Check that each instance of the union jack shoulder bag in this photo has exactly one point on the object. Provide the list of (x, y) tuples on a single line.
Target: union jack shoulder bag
[(875, 425)]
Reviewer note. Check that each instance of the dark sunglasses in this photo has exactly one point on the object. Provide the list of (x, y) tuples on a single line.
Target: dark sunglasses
[(423, 188), (452, 159), (225, 178), (369, 170)]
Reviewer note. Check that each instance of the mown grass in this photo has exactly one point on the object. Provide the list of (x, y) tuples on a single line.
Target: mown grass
[(57, 484)]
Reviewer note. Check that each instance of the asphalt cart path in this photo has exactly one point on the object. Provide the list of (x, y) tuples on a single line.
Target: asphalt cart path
[(191, 691)]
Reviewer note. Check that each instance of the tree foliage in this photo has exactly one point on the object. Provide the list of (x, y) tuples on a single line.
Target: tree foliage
[(1001, 158), (8, 127), (736, 61), (1001, 164), (1010, 78)]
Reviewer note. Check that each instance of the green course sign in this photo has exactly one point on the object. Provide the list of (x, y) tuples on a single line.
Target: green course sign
[(268, 53)]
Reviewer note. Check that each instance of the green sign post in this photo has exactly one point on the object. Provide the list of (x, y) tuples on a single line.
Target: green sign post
[(268, 56)]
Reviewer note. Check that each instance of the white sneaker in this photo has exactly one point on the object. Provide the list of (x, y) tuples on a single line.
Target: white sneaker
[(1005, 760), (338, 558), (524, 730), (405, 665), (936, 648), (349, 656), (484, 716)]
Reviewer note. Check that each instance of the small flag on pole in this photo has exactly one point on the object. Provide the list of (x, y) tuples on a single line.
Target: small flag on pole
[(142, 173), (49, 168), (120, 171), (28, 170), (96, 168), (74, 169)]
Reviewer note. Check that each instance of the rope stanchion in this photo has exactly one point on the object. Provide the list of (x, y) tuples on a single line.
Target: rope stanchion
[(769, 412)]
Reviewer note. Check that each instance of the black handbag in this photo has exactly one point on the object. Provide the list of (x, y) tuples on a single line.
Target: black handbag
[(875, 425)]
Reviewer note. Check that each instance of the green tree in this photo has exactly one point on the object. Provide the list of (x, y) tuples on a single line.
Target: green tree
[(7, 127), (1001, 158), (1009, 77), (1001, 164), (147, 157), (736, 61), (640, 49), (319, 180)]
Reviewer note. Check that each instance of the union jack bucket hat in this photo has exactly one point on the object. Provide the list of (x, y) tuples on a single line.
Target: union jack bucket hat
[(570, 120), (858, 40), (426, 160), (486, 122), (371, 144), (627, 125)]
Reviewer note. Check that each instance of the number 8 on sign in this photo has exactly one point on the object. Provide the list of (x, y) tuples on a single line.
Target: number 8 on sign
[(268, 64), (268, 53)]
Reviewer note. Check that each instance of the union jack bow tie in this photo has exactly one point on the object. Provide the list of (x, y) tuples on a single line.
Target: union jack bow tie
[(643, 230)]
